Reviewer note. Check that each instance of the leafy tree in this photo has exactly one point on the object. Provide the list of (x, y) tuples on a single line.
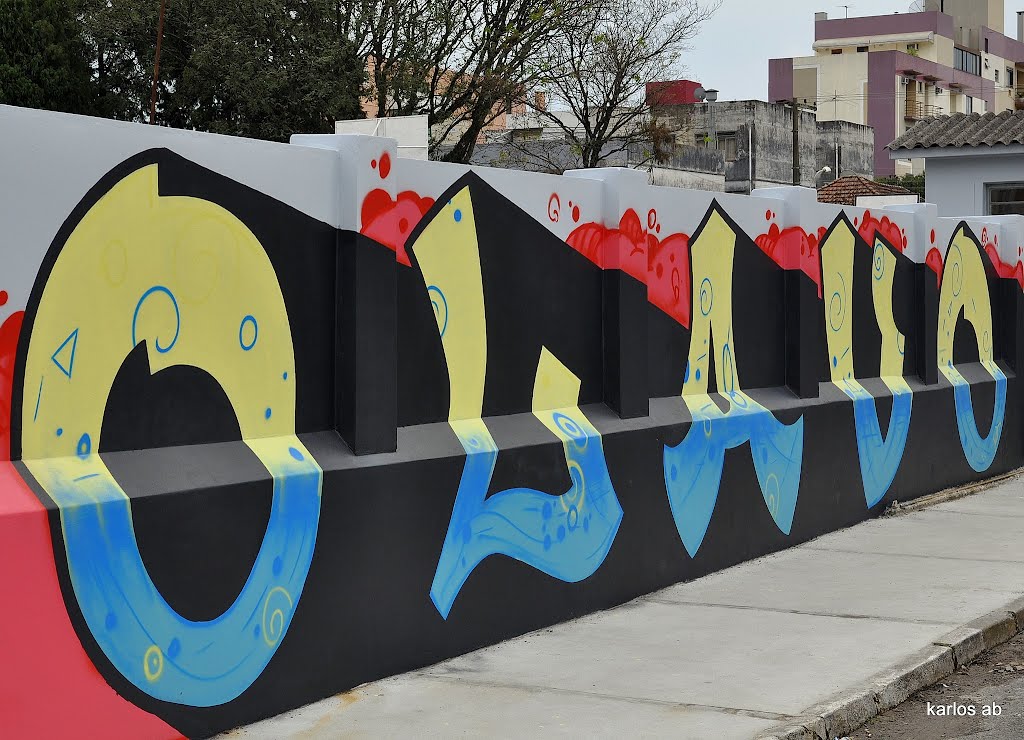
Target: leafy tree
[(44, 61), (258, 68), (913, 183)]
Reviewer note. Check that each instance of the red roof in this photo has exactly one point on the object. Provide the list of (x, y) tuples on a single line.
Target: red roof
[(846, 190)]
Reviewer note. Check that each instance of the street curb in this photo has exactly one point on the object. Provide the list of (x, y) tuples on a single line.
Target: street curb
[(848, 711)]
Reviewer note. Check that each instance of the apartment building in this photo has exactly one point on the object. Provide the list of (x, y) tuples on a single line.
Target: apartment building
[(890, 71)]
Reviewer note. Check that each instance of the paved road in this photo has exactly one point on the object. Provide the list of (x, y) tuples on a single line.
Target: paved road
[(996, 679), (727, 656)]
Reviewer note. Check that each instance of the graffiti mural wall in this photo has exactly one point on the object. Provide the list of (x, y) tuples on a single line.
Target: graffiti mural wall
[(277, 420)]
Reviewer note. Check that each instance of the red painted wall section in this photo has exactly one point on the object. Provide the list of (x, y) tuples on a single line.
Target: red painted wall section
[(389, 221), (674, 92), (794, 249), (991, 246), (9, 332), (662, 264), (48, 686), (1003, 269), (888, 230)]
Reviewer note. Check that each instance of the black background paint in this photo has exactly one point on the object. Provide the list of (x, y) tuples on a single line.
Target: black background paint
[(365, 612)]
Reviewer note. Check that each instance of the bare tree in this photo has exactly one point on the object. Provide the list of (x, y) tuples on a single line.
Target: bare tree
[(463, 63), (491, 64), (399, 40), (599, 67)]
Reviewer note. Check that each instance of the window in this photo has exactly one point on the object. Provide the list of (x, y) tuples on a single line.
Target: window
[(727, 145), (861, 49), (1009, 76), (996, 73), (1005, 199), (968, 104), (920, 86), (986, 45), (911, 48), (837, 51), (967, 61)]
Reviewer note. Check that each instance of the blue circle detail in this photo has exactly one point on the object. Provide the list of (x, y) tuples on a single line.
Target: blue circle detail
[(111, 621), (84, 446), (60, 431), (267, 413), (285, 376), (177, 317), (698, 373), (174, 648), (561, 533), (295, 453), (835, 361), (458, 215), (706, 290), (241, 331), (278, 565)]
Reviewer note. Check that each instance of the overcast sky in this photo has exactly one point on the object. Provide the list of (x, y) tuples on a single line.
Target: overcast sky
[(732, 51)]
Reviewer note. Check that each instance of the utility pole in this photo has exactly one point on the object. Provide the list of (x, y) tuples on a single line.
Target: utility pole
[(796, 143), (156, 62)]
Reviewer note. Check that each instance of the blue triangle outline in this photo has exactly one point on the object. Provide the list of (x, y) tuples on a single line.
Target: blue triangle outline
[(73, 338)]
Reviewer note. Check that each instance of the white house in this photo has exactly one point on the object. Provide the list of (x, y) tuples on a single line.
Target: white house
[(975, 162)]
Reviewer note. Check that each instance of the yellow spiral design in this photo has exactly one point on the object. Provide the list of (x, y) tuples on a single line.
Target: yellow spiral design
[(275, 614)]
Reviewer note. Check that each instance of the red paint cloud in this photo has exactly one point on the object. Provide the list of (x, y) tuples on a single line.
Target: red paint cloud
[(794, 249), (389, 221)]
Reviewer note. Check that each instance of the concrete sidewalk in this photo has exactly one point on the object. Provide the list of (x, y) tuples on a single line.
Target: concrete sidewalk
[(818, 637)]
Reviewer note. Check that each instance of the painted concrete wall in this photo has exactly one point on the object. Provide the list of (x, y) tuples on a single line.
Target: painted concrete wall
[(856, 145), (842, 75), (957, 184), (276, 420), (677, 178)]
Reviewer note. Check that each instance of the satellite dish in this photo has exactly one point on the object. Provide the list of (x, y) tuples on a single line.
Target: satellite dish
[(700, 93)]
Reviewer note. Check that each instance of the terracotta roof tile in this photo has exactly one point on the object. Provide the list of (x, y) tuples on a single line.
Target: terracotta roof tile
[(846, 190)]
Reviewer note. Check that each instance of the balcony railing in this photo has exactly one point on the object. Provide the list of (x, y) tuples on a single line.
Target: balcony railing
[(917, 110)]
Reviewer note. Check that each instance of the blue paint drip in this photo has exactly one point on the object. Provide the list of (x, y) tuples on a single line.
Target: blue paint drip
[(202, 664), (880, 457), (512, 522), (979, 451), (693, 468)]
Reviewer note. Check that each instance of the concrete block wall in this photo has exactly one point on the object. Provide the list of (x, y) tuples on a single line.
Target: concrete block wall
[(277, 420)]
